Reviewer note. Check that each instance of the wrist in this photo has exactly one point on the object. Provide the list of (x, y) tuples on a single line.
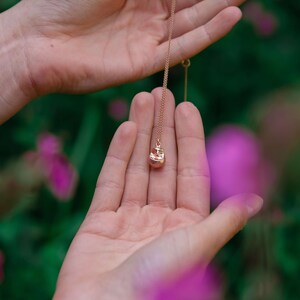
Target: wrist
[(17, 87)]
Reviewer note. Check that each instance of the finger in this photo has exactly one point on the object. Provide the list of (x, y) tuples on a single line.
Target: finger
[(162, 182), (137, 175), (193, 184), (193, 17), (210, 235), (111, 181), (195, 41)]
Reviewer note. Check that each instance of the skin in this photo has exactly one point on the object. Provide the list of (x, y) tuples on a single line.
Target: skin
[(143, 225), (146, 225), (80, 46)]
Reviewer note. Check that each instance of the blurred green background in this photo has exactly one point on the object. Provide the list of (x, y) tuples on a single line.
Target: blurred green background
[(236, 81)]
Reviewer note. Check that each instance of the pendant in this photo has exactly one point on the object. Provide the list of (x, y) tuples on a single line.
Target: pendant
[(157, 156)]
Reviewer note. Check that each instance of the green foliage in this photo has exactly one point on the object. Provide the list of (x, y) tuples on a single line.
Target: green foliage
[(228, 82)]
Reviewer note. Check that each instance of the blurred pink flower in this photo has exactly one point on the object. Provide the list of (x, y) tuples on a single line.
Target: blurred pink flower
[(264, 22), (59, 174), (194, 285), (1, 266), (118, 109), (236, 164), (48, 144), (267, 25)]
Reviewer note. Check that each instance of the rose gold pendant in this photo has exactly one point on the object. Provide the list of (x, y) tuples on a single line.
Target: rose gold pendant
[(157, 156)]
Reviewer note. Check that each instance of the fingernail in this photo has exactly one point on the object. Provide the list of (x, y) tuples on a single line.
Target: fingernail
[(254, 204)]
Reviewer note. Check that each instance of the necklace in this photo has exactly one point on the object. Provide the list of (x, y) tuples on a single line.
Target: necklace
[(157, 155)]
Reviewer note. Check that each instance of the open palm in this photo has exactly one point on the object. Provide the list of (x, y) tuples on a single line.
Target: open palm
[(145, 225), (81, 46)]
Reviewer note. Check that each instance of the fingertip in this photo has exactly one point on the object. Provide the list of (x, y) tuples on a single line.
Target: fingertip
[(127, 131), (185, 109), (232, 13), (124, 139), (254, 204), (143, 101), (248, 204), (222, 23), (157, 90), (188, 121), (157, 93), (167, 104)]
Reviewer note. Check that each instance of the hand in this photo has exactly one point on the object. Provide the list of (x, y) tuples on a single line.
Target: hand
[(82, 46), (146, 225)]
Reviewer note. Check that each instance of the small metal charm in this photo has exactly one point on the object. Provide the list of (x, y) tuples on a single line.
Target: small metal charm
[(157, 156)]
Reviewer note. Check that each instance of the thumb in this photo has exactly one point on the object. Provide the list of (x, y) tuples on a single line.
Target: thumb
[(209, 236), (178, 251), (175, 255)]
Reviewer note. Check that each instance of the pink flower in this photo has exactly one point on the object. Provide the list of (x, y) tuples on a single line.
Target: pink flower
[(196, 284), (48, 144), (236, 164), (1, 266), (264, 22), (118, 109), (267, 25), (61, 176), (58, 173)]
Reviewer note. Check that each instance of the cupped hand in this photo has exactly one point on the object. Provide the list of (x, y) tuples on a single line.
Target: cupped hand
[(82, 46), (146, 225)]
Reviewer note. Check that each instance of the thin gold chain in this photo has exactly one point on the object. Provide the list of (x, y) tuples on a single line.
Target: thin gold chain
[(160, 122)]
